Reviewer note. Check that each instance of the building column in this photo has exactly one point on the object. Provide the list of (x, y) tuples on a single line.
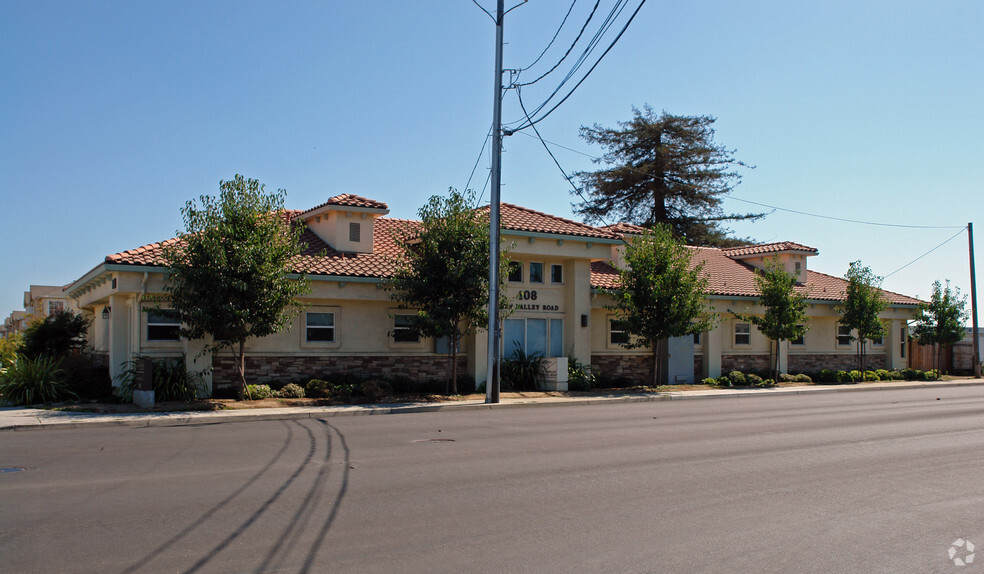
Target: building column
[(578, 304), (712, 352), (894, 339), (119, 337)]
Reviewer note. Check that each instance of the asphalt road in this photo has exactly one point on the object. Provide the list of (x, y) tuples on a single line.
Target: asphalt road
[(849, 482)]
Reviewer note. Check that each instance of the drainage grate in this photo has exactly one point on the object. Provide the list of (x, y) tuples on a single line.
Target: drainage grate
[(11, 469)]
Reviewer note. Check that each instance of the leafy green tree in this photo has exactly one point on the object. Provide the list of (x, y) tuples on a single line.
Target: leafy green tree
[(941, 321), (862, 307), (443, 272), (231, 274), (56, 335), (785, 309), (10, 347), (661, 294), (663, 169)]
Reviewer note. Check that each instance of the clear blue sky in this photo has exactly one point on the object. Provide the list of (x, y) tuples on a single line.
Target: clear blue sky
[(113, 114)]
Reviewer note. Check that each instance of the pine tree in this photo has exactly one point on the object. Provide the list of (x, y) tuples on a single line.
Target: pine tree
[(663, 169)]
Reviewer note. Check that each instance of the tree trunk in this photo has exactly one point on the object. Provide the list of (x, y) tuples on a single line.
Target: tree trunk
[(454, 364), (241, 365), (655, 378), (778, 363)]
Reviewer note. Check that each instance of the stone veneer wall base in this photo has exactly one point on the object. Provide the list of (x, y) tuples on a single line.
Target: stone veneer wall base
[(265, 369)]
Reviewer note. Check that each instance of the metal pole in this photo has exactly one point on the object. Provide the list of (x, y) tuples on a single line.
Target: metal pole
[(976, 360), (492, 381)]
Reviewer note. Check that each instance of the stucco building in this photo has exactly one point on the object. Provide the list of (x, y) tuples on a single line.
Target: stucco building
[(558, 279)]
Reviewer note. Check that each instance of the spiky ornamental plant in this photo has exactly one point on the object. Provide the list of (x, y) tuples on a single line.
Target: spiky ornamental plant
[(784, 318), (941, 321), (663, 169), (661, 294), (862, 307), (443, 272), (231, 274)]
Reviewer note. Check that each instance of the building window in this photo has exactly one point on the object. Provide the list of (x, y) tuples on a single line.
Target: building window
[(516, 271), (743, 333), (403, 329), (696, 338), (618, 332), (799, 268), (319, 327), (902, 338), (844, 335), (545, 337), (799, 341), (536, 272), (355, 232), (161, 327), (556, 273), (877, 341), (55, 307)]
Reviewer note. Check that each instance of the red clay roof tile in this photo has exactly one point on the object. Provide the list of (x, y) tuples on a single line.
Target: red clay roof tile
[(768, 248)]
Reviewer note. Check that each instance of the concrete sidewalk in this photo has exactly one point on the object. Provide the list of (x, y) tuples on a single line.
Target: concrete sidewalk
[(16, 418)]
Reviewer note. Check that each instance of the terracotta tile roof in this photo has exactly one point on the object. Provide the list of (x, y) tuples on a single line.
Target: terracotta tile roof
[(727, 277), (622, 228), (351, 200), (518, 218), (768, 248)]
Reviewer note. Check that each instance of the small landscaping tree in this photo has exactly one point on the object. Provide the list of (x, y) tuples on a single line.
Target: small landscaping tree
[(862, 307), (941, 321), (785, 309), (231, 274), (443, 272), (661, 294)]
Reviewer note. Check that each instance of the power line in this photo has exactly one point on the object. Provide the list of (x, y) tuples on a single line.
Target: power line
[(588, 73), (568, 52), (479, 159), (962, 229), (552, 40), (577, 190), (482, 8), (777, 208)]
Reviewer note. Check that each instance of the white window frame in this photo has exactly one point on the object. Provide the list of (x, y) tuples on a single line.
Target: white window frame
[(838, 335), (612, 330), (512, 266), (147, 324), (391, 336), (507, 350), (333, 328), (58, 303), (556, 266), (746, 332), (879, 342), (336, 313)]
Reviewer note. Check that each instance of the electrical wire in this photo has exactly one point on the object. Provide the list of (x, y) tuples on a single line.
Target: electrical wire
[(568, 52), (479, 159), (482, 8), (586, 75), (552, 40), (962, 229), (773, 207)]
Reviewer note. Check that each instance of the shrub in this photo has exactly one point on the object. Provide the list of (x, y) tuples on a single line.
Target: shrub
[(522, 371), (931, 375), (803, 378), (258, 392), (55, 335), (579, 375), (856, 376), (9, 348), (374, 389), (711, 382), (171, 379), (871, 376), (912, 374), (829, 376), (765, 384), (31, 381), (753, 380), (318, 388), (737, 379), (883, 375), (787, 378), (291, 391), (895, 375)]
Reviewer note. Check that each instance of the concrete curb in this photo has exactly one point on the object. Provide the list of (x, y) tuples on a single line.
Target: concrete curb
[(40, 419)]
